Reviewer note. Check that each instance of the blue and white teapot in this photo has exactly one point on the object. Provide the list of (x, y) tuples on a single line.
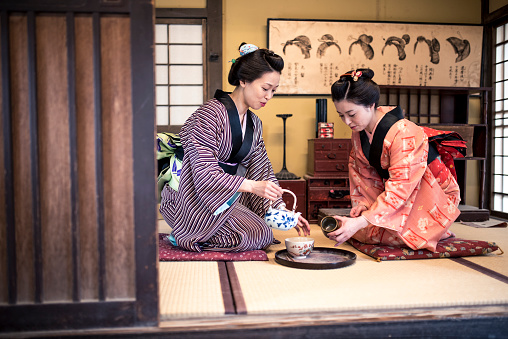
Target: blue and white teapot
[(282, 219)]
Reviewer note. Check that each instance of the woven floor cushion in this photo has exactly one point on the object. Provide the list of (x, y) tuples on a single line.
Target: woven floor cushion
[(447, 248), (168, 252)]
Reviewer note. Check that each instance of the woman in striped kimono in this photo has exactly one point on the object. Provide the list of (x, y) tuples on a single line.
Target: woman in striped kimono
[(227, 181), (398, 196)]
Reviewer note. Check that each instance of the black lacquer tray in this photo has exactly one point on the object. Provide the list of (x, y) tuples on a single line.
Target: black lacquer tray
[(321, 258)]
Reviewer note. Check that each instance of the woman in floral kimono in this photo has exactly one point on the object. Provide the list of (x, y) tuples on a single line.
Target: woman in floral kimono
[(226, 180), (398, 198)]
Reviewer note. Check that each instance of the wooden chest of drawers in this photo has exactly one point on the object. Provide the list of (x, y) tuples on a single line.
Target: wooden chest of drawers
[(331, 192), (299, 188), (327, 175), (328, 157)]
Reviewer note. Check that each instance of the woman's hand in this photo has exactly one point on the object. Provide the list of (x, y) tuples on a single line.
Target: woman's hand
[(264, 189), (304, 225), (348, 228), (357, 211)]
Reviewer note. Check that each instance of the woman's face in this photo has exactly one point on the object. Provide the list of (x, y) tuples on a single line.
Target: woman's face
[(258, 92), (357, 117)]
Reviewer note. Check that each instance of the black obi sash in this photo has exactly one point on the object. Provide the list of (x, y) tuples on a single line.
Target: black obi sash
[(240, 148), (373, 151)]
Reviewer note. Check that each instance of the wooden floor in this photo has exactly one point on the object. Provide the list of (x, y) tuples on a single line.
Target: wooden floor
[(369, 295)]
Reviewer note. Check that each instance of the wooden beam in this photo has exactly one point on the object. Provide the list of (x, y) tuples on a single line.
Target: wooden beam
[(214, 46), (144, 166)]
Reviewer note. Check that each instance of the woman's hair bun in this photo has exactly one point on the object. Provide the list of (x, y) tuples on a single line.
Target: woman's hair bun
[(253, 65), (358, 87), (366, 73)]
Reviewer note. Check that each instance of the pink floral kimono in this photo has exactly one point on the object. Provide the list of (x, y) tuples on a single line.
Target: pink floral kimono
[(417, 204)]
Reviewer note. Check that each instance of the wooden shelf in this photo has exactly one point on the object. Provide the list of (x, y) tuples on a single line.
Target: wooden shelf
[(447, 108), (435, 89)]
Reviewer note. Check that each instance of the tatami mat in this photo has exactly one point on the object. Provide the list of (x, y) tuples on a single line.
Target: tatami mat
[(193, 289), (493, 261), (163, 226), (189, 289), (272, 288)]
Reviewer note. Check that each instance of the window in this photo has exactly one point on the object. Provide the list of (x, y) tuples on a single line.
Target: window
[(188, 61), (179, 70), (500, 122)]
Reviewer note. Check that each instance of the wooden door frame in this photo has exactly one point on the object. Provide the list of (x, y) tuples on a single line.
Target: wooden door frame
[(489, 21)]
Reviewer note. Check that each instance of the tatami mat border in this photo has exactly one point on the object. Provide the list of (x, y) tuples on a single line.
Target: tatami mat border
[(482, 269), (227, 296), (240, 305)]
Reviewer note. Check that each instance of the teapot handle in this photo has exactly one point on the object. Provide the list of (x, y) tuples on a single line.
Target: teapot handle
[(294, 198)]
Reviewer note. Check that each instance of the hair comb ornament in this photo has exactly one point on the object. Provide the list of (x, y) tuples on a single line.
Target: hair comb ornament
[(355, 75), (248, 48)]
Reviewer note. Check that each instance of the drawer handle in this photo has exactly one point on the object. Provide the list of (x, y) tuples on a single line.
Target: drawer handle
[(332, 155), (340, 167)]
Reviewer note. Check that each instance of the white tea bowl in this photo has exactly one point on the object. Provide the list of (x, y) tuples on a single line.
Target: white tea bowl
[(299, 247)]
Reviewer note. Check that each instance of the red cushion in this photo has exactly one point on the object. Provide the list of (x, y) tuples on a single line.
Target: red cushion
[(447, 248), (168, 252)]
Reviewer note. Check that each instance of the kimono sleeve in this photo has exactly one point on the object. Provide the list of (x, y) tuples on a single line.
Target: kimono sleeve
[(202, 136), (405, 152), (259, 168)]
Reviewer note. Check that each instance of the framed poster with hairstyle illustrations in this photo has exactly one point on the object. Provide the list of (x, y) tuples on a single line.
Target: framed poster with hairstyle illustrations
[(317, 53)]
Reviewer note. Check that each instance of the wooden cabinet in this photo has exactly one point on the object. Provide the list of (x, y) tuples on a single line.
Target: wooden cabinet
[(327, 175), (326, 192), (299, 188)]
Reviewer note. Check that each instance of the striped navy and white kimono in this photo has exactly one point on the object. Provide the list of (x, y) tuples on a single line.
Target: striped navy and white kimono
[(207, 212)]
